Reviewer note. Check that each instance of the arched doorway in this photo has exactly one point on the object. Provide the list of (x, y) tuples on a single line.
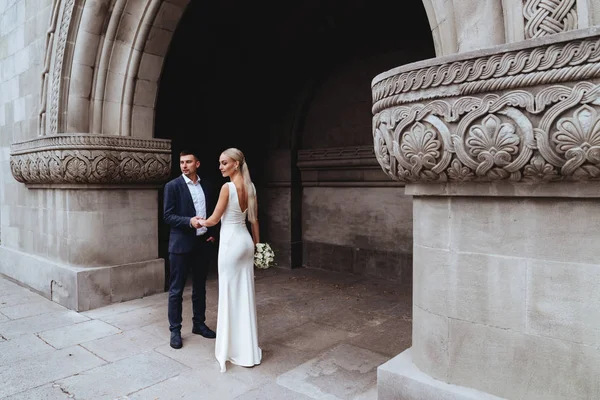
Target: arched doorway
[(274, 81)]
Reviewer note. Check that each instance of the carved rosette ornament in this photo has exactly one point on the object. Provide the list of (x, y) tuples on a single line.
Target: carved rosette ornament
[(91, 159), (511, 116)]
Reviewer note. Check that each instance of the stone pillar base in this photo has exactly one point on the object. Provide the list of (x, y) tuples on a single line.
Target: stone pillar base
[(83, 289), (400, 379)]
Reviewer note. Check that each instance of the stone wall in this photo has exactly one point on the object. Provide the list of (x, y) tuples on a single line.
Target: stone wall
[(501, 296), (359, 230), (353, 218), (25, 218)]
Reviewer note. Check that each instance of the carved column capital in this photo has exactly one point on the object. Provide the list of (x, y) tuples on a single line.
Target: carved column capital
[(526, 113), (80, 159)]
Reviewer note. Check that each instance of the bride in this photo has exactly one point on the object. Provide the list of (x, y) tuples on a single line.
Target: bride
[(237, 337)]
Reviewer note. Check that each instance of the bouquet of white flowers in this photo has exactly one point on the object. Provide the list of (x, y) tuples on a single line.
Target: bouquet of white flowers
[(263, 256)]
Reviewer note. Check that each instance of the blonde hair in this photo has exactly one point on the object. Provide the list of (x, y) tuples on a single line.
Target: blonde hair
[(237, 155)]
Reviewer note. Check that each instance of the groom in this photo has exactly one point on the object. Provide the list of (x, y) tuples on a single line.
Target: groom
[(191, 246)]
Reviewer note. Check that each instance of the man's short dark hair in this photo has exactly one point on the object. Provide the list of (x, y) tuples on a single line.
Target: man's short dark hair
[(187, 152)]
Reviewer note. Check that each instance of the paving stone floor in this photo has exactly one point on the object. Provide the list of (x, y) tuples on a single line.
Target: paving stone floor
[(323, 334)]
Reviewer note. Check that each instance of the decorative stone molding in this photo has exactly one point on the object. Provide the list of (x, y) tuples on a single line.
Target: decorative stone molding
[(60, 43), (547, 17), (341, 166), (91, 159), (550, 132), (560, 62), (47, 64)]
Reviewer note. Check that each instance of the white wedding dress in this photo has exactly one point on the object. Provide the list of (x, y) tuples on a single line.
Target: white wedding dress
[(237, 335)]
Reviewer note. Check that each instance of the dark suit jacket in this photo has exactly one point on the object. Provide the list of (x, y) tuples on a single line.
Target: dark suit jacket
[(179, 209)]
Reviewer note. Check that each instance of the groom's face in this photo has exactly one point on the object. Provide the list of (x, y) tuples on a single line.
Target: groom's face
[(189, 165)]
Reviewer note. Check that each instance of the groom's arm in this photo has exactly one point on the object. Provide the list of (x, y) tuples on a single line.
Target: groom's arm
[(213, 231), (172, 219)]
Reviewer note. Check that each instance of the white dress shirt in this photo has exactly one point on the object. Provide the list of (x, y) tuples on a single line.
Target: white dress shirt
[(199, 201)]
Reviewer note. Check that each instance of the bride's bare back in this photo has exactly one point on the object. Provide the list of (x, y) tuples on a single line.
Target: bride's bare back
[(242, 196)]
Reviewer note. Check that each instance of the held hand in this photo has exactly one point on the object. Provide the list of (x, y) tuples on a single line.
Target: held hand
[(196, 222), (201, 221)]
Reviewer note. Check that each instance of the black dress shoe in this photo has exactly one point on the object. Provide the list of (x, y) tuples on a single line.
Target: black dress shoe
[(176, 342), (204, 330)]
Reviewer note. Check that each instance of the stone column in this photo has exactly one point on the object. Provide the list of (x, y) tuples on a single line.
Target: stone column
[(85, 234), (500, 150)]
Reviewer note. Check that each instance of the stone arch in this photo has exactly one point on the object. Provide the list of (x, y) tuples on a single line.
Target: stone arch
[(112, 51), (104, 60)]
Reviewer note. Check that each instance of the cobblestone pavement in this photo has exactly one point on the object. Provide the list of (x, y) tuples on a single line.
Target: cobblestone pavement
[(323, 334)]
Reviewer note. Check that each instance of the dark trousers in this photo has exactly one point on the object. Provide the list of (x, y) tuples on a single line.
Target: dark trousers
[(196, 263)]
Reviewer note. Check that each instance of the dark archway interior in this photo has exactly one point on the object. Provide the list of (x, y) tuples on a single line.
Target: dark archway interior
[(235, 70)]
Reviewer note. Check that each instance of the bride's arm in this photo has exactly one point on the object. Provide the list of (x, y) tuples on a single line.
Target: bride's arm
[(255, 226), (219, 208), (255, 232)]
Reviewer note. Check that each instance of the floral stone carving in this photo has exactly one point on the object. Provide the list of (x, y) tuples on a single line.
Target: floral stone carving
[(91, 159), (545, 133)]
